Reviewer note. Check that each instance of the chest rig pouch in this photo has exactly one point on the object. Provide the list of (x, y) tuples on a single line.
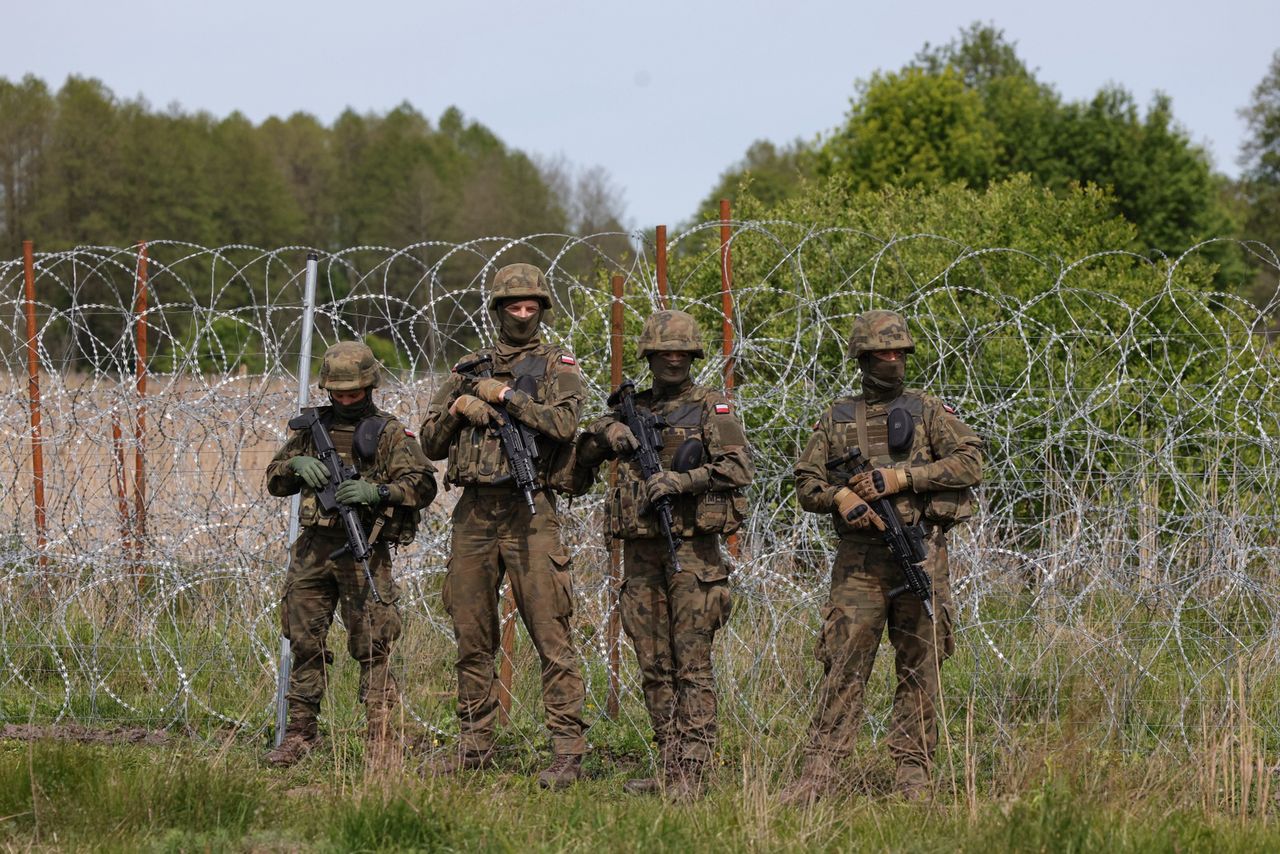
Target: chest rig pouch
[(476, 457), (684, 448)]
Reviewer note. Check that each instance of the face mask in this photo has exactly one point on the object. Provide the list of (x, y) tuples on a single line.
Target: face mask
[(880, 377), (353, 411), (667, 374), (518, 330)]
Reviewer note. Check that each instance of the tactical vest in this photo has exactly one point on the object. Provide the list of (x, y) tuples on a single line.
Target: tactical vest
[(476, 456), (706, 513), (392, 524), (858, 424)]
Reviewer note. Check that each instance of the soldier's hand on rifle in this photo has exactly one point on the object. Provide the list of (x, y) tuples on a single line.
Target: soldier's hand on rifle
[(855, 511), (473, 409), (311, 470), (491, 391), (620, 439), (878, 483), (358, 492), (666, 483)]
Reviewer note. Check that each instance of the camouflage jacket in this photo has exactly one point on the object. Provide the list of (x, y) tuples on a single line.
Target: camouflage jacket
[(943, 459), (398, 462), (715, 505), (475, 454)]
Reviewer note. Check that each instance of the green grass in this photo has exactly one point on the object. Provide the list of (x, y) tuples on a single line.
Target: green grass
[(76, 797)]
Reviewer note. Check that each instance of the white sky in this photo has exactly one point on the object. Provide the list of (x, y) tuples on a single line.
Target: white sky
[(663, 94)]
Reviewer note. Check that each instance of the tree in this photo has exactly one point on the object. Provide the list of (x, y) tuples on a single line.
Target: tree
[(1259, 186)]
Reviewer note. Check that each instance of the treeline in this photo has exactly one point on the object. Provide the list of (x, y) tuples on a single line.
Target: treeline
[(80, 166), (971, 113)]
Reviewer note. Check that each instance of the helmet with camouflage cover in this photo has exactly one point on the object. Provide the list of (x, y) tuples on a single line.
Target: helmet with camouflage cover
[(879, 330), (349, 366), (668, 332), (519, 281)]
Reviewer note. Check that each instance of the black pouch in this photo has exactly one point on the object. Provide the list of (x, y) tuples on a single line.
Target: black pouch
[(688, 456), (365, 441), (902, 429)]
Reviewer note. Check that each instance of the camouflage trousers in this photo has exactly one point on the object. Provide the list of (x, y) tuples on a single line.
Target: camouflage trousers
[(853, 621), (671, 619), (495, 535), (315, 586)]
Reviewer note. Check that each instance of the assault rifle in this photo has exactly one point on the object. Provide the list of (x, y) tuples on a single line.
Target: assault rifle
[(339, 473), (645, 427), (519, 441), (905, 542)]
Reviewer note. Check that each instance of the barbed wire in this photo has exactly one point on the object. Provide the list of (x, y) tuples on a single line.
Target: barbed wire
[(1124, 549)]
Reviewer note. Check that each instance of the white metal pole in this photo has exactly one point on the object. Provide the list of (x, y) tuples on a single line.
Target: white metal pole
[(304, 387)]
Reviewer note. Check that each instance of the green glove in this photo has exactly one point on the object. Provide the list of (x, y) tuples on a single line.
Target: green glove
[(358, 492), (311, 470)]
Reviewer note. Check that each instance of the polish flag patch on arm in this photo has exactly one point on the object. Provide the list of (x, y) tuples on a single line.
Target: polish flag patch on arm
[(410, 433), (566, 359), (722, 409)]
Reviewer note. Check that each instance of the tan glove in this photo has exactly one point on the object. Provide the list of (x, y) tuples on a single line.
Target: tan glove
[(855, 511), (474, 410), (490, 390), (620, 439), (878, 483)]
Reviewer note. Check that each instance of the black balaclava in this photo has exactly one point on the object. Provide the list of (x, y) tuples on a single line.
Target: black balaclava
[(668, 381), (882, 380), (518, 331), (355, 412)]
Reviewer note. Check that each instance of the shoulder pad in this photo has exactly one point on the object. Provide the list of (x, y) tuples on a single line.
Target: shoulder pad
[(843, 410)]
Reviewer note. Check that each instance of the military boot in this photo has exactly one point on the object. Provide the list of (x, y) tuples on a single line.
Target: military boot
[(300, 738), (687, 782), (564, 771), (815, 782), (912, 781), (652, 785)]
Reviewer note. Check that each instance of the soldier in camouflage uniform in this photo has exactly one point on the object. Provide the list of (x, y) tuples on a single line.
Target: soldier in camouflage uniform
[(672, 617), (927, 462), (494, 533), (395, 484)]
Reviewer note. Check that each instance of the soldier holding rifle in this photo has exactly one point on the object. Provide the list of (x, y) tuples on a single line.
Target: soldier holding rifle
[(364, 481), (504, 419), (892, 503), (671, 509)]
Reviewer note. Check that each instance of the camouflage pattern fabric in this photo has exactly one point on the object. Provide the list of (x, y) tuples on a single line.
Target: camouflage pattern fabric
[(879, 330), (670, 331), (316, 583), (672, 618), (942, 461), (495, 536)]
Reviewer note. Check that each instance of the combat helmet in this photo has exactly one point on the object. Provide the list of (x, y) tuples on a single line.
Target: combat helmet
[(668, 332), (879, 330), (519, 281), (349, 366)]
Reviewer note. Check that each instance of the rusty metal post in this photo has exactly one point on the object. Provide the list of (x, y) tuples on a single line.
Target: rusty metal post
[(505, 668), (33, 396), (660, 244), (726, 328), (122, 500), (139, 455), (613, 631)]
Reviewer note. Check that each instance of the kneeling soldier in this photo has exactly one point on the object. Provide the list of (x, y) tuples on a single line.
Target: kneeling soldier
[(672, 616), (394, 485)]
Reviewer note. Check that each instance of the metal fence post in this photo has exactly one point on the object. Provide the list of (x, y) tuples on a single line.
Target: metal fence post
[(33, 396), (140, 428), (304, 389)]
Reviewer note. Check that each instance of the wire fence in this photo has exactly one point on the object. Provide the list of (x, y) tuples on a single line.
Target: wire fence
[(1119, 575)]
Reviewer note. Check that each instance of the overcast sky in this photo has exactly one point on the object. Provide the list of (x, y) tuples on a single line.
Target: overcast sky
[(665, 95)]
